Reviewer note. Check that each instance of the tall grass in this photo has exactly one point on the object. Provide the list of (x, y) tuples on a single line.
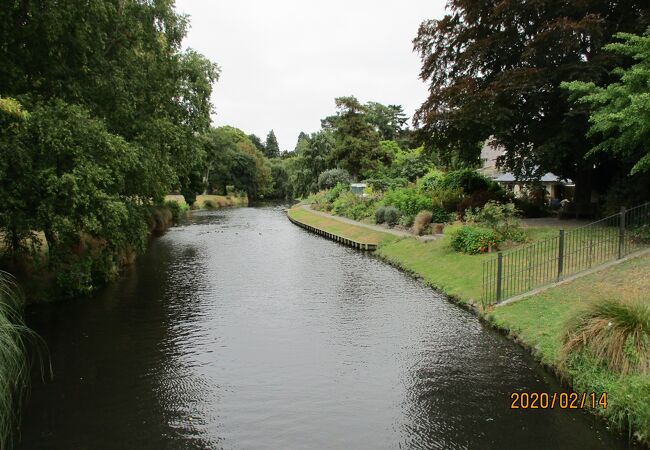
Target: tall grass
[(14, 365), (616, 333)]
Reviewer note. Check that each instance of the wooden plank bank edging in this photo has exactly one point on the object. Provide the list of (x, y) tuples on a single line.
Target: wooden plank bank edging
[(334, 237)]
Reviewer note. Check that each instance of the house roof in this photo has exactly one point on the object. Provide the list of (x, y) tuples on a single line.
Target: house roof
[(546, 178)]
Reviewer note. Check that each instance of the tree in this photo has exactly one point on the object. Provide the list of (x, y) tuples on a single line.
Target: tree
[(224, 147), (312, 156), (271, 148), (257, 142), (389, 121), (495, 68), (621, 110), (356, 146)]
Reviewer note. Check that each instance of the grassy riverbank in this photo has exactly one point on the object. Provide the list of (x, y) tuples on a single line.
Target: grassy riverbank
[(537, 322)]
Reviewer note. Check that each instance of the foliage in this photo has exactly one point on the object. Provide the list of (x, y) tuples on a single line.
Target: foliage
[(234, 160), (621, 110), (330, 178), (380, 214), (469, 180), (312, 157), (440, 215), (178, 210), (392, 215), (408, 200), (271, 148), (410, 164), (356, 146), (640, 234), (616, 333), (384, 184), (448, 199), (280, 175), (353, 206), (474, 240), (422, 222), (428, 183), (495, 70), (501, 218)]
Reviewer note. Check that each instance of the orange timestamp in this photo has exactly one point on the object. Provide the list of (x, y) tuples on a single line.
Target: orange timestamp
[(561, 400)]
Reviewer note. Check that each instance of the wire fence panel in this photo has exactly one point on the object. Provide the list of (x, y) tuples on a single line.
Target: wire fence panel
[(572, 251)]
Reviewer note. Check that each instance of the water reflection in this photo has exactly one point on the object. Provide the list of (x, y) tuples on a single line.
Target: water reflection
[(240, 330)]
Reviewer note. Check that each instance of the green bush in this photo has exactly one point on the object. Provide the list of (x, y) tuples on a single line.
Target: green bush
[(408, 201), (440, 215), (380, 215), (353, 206), (178, 210), (429, 182), (449, 199), (384, 184), (332, 177), (503, 219), (469, 180), (474, 240), (391, 215)]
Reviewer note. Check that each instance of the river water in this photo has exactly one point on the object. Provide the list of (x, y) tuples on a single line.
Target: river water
[(239, 330)]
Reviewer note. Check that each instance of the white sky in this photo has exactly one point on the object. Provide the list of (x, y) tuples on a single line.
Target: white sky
[(283, 62)]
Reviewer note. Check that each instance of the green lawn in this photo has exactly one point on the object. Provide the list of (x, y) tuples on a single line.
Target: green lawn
[(355, 233)]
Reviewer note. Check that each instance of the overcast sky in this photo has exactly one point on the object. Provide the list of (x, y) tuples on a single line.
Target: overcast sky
[(283, 62)]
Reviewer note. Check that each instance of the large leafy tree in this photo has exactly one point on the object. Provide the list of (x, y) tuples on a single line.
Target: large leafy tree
[(621, 110), (494, 68), (356, 146), (116, 113), (310, 159)]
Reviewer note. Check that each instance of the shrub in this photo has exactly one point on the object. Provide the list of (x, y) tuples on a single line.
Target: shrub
[(209, 204), (429, 182), (615, 333), (384, 184), (449, 198), (469, 180), (476, 200), (380, 215), (406, 220), (640, 234), (440, 215), (353, 206), (408, 201), (332, 177), (530, 209), (503, 219), (422, 222), (474, 240), (391, 215), (177, 209)]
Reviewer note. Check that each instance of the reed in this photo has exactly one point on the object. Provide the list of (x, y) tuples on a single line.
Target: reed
[(14, 362)]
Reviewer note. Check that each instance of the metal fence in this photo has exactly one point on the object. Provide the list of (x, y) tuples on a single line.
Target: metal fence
[(571, 251)]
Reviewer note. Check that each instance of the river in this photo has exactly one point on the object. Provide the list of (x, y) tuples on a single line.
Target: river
[(239, 330)]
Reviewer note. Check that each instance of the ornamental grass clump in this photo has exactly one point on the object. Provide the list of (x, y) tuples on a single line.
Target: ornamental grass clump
[(14, 367), (615, 333), (422, 222)]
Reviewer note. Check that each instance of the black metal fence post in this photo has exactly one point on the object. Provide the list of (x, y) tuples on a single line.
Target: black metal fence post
[(621, 232), (499, 275), (560, 256)]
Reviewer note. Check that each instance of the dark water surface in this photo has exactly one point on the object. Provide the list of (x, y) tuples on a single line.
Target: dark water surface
[(239, 330)]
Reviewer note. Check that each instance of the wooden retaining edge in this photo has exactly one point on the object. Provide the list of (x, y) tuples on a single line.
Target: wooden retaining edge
[(334, 237)]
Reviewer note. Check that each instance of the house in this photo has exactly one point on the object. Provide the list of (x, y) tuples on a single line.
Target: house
[(556, 188)]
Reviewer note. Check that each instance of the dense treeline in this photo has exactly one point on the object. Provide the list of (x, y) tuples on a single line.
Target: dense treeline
[(101, 115)]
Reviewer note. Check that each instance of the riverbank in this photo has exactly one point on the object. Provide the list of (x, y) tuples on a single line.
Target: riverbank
[(536, 322)]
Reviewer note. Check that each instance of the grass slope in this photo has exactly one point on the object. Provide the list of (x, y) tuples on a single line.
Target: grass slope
[(356, 233)]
